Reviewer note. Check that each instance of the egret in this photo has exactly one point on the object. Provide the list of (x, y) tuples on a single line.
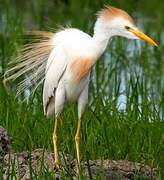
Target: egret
[(63, 60)]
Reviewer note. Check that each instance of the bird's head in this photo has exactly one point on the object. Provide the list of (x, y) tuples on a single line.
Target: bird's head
[(119, 23)]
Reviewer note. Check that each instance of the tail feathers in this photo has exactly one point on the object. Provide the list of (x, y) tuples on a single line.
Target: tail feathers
[(31, 61)]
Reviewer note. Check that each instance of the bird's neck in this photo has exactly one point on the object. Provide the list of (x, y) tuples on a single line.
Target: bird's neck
[(101, 37)]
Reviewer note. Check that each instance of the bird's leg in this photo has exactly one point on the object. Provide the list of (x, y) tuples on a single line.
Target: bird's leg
[(77, 141), (82, 101), (55, 142)]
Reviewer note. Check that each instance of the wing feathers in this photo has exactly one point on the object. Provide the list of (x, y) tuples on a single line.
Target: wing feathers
[(55, 69), (31, 60)]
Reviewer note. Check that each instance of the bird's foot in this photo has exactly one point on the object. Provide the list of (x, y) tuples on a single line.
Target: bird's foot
[(57, 166)]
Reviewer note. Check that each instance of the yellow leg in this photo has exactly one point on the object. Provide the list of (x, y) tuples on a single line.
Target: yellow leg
[(77, 141), (55, 142)]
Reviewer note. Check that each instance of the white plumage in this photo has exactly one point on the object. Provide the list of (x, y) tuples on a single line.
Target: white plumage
[(59, 85), (63, 61)]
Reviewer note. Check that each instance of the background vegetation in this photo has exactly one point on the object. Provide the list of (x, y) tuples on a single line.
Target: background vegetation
[(125, 117)]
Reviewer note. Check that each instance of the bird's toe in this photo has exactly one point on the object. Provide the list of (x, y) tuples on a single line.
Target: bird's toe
[(57, 167)]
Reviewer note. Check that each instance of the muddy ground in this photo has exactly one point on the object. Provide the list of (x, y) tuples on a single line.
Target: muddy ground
[(108, 169)]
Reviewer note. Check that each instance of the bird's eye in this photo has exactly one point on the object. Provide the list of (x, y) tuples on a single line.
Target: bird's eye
[(127, 27)]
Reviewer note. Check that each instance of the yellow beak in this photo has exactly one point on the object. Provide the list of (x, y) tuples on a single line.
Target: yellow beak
[(143, 36)]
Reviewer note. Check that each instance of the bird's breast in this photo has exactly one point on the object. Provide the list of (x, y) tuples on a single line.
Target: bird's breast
[(80, 68)]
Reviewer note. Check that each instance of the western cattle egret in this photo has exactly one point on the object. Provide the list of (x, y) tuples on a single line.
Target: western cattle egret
[(63, 62)]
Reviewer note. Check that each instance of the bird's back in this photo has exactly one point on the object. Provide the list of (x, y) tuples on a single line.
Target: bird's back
[(73, 41)]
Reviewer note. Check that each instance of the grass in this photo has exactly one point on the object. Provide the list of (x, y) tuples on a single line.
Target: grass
[(131, 72)]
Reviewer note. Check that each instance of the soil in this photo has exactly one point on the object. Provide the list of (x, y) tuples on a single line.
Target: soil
[(5, 142), (39, 158)]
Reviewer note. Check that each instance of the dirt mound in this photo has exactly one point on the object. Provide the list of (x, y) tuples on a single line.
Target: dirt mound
[(5, 142), (27, 164), (109, 169)]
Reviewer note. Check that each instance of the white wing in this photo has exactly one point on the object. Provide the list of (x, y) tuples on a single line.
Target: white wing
[(55, 69)]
